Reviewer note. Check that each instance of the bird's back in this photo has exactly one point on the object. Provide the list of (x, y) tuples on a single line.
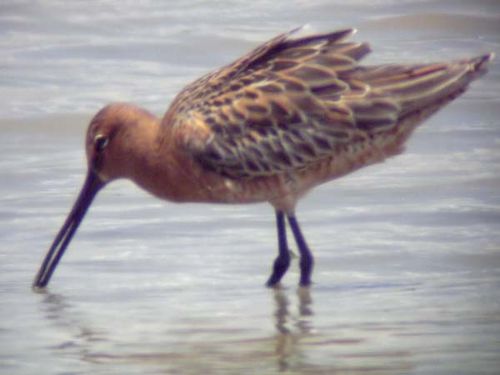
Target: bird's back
[(305, 109)]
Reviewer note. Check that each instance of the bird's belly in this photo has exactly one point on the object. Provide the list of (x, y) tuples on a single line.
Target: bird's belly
[(347, 160), (242, 190)]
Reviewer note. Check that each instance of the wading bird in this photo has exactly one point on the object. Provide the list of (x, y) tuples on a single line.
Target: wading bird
[(292, 114)]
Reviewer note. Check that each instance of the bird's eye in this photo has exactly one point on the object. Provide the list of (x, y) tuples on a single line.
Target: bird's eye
[(100, 142)]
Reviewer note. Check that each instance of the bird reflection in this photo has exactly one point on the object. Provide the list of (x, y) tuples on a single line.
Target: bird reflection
[(75, 334), (291, 327)]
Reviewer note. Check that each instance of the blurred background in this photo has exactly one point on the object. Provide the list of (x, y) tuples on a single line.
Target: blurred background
[(407, 277)]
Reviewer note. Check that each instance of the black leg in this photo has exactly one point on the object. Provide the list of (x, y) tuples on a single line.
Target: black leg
[(283, 260), (306, 258)]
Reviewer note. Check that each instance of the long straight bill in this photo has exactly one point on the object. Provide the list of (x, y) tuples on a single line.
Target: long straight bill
[(89, 190)]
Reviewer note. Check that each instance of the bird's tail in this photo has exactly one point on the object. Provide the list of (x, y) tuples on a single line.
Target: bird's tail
[(419, 91), (418, 87)]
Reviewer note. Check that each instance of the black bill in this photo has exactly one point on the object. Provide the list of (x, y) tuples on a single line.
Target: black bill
[(89, 190)]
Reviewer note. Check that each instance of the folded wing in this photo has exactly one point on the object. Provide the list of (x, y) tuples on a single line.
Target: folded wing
[(294, 101)]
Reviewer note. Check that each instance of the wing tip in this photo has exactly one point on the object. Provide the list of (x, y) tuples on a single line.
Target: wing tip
[(482, 61), (343, 33), (479, 65), (306, 32)]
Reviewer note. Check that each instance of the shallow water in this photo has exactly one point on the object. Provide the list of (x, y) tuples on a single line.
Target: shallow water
[(407, 277)]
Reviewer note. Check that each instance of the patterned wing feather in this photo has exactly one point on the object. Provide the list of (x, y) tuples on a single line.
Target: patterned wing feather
[(294, 101), (277, 108), (415, 87)]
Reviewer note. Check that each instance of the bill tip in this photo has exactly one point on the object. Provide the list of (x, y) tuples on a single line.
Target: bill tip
[(38, 289)]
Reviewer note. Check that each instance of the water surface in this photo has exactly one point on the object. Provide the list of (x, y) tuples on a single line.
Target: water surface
[(407, 277)]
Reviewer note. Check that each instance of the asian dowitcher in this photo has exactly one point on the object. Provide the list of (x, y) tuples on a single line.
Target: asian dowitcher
[(292, 114)]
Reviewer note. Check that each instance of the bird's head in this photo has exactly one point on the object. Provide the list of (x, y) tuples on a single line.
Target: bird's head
[(115, 134)]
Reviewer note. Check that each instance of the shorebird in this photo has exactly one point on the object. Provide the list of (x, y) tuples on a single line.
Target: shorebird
[(293, 113)]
